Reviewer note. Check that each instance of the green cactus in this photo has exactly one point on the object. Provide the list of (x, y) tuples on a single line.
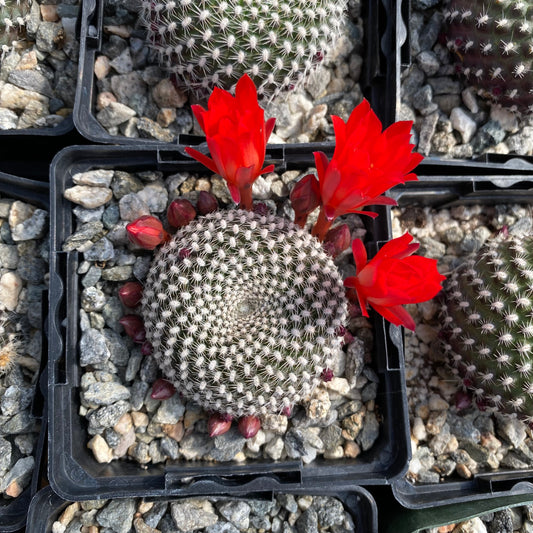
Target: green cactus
[(244, 312), (208, 44), (493, 43), (488, 325), (13, 17)]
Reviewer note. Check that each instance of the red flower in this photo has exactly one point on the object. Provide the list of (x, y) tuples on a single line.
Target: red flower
[(236, 134), (366, 163), (392, 279), (147, 232)]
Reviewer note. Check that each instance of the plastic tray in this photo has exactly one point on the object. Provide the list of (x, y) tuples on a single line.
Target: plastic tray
[(13, 512), (47, 506), (73, 472), (384, 35), (494, 179)]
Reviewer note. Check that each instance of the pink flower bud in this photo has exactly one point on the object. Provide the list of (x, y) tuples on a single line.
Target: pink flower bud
[(218, 424), (340, 331), (180, 212), (162, 389), (183, 253), (327, 375), (147, 348), (287, 411), (206, 203), (146, 232), (337, 240), (462, 399), (134, 327), (249, 426), (131, 294)]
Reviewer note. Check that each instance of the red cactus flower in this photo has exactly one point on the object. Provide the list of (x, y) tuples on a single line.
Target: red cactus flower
[(134, 328), (249, 426), (162, 389), (131, 293), (218, 424), (236, 134), (305, 198), (394, 278), (146, 232), (180, 212), (367, 162)]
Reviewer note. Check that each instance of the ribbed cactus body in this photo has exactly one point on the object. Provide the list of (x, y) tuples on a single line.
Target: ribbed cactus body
[(13, 17), (488, 325), (213, 43), (243, 312), (493, 44)]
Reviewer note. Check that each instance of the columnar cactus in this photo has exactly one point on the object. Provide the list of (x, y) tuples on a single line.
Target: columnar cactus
[(210, 44), (488, 325), (244, 312), (13, 17), (493, 44)]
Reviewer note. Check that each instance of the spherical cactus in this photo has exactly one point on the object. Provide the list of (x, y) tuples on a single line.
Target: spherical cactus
[(13, 17), (243, 312), (493, 43), (488, 325), (210, 44)]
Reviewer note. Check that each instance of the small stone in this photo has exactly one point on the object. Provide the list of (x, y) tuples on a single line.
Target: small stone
[(10, 287), (88, 197), (150, 129), (307, 522), (117, 515), (95, 178), (101, 451), (104, 393), (236, 512), (193, 514), (114, 114), (165, 94), (17, 478), (101, 67), (463, 123)]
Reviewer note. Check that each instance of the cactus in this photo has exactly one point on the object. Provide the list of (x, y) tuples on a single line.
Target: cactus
[(13, 17), (209, 44), (10, 344), (243, 312), (488, 325), (493, 42)]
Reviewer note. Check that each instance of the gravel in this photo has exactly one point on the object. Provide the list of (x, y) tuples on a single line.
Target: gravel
[(338, 420), (212, 515), (448, 440)]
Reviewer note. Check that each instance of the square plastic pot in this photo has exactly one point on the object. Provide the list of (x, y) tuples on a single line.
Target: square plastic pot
[(384, 34), (447, 184), (75, 474)]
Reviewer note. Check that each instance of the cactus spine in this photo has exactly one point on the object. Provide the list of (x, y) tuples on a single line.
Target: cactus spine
[(493, 43), (243, 312), (488, 325), (208, 44), (13, 17)]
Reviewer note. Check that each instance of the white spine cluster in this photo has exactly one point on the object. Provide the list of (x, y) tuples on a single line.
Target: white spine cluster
[(488, 320), (209, 44), (14, 14), (242, 311)]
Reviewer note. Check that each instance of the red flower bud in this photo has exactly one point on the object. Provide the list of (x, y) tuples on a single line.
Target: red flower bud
[(131, 293), (147, 348), (183, 253), (180, 212), (261, 209), (249, 426), (162, 389), (305, 198), (134, 327), (340, 331), (146, 232), (327, 375), (218, 424), (337, 240), (462, 399), (207, 203), (287, 411)]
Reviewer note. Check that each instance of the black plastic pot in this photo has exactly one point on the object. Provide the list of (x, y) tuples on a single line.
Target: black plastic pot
[(385, 33), (493, 180), (47, 506), (74, 473), (13, 513)]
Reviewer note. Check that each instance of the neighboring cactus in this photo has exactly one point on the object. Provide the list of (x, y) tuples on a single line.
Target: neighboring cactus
[(9, 344), (13, 17), (493, 43), (488, 325), (244, 312), (208, 44)]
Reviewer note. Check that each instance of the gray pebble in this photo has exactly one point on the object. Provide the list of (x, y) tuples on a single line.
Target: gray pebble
[(193, 514), (20, 473), (236, 512), (107, 416), (227, 446), (308, 522), (170, 411), (117, 515), (104, 393), (93, 348)]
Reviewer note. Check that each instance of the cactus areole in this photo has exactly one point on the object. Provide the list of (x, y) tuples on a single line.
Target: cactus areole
[(212, 44), (493, 45), (13, 17), (245, 322), (488, 325)]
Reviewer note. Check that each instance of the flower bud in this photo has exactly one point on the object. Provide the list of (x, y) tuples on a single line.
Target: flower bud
[(134, 328), (146, 232), (147, 348), (326, 375), (287, 411), (305, 198), (184, 253), (218, 424), (249, 426), (337, 240), (131, 294), (463, 400), (261, 208), (206, 203), (162, 389), (180, 212)]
